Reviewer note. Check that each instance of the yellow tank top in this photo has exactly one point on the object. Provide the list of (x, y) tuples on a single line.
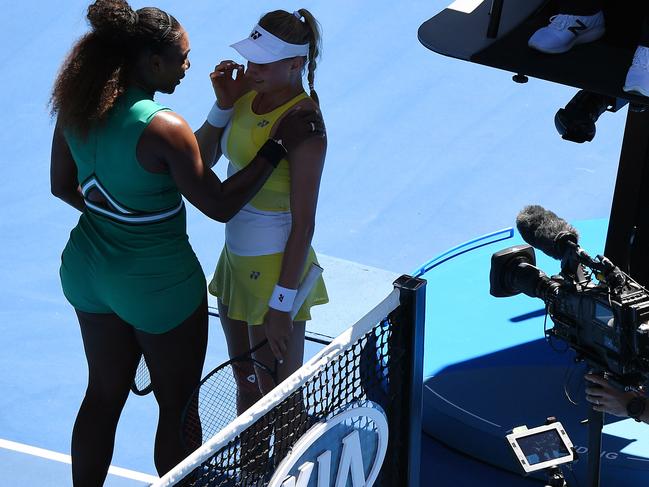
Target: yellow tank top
[(244, 136)]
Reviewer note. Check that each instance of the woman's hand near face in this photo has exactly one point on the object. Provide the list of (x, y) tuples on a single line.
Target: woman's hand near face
[(229, 83)]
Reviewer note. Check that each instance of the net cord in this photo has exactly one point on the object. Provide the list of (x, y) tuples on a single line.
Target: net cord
[(277, 395)]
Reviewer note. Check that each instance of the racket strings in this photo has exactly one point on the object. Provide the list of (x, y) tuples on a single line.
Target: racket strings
[(223, 394)]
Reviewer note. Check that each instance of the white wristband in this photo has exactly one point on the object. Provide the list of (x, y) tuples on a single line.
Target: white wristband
[(282, 298), (218, 117)]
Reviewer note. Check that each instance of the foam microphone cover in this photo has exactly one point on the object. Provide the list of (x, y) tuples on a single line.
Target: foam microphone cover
[(544, 230)]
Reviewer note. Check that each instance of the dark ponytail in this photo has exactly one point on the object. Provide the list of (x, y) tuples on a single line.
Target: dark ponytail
[(95, 72), (291, 29)]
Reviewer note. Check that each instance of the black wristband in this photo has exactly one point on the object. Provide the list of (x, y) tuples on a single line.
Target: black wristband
[(272, 151)]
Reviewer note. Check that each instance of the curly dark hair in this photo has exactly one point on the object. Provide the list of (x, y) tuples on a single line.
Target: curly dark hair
[(96, 70)]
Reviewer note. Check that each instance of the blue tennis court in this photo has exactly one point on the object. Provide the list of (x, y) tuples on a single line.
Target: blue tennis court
[(425, 153)]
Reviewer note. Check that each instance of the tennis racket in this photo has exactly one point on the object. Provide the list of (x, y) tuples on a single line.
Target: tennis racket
[(217, 400), (141, 385), (213, 404)]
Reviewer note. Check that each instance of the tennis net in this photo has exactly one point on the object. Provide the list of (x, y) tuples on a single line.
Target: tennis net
[(349, 416)]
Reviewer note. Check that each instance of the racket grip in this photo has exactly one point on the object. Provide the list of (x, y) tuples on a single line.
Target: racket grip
[(305, 287)]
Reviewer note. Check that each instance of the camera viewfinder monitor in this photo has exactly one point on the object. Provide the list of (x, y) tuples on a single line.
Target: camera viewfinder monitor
[(542, 447)]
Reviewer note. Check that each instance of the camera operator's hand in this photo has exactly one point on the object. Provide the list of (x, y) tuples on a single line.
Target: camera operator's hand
[(606, 398)]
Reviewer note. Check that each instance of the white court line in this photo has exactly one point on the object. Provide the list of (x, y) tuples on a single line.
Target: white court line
[(461, 409), (638, 459), (60, 457), (465, 6)]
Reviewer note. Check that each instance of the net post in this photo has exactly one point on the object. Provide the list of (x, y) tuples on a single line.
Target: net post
[(413, 301)]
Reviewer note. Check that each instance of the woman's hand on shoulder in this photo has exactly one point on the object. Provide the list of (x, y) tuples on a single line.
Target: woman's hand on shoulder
[(299, 124), (229, 83)]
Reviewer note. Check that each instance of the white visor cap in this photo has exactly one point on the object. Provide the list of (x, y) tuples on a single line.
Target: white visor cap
[(262, 47)]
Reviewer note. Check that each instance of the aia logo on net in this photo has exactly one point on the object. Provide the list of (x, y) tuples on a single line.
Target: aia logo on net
[(345, 450)]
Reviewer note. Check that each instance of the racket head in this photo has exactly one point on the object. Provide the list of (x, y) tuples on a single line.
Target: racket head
[(141, 384), (213, 404)]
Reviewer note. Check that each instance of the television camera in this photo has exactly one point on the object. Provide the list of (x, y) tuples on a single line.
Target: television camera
[(597, 309)]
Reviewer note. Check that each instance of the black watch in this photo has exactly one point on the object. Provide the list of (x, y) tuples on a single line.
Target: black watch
[(636, 407)]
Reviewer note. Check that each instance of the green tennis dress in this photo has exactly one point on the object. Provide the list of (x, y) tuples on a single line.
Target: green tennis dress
[(255, 238), (130, 256)]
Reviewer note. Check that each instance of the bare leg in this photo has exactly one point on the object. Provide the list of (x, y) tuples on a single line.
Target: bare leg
[(236, 336), (175, 360), (254, 449), (291, 421), (112, 353)]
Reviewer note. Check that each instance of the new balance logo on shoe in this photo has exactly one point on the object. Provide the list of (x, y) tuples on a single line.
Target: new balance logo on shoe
[(575, 29), (263, 123), (565, 31)]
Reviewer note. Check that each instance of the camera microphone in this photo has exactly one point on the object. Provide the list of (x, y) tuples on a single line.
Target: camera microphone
[(547, 232)]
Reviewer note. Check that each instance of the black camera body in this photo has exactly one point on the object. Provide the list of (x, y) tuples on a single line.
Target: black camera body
[(606, 324)]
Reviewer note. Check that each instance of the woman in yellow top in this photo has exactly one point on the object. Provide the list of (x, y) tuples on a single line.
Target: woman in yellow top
[(268, 243)]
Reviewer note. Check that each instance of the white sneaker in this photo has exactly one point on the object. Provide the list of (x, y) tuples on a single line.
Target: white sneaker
[(637, 78), (564, 31)]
